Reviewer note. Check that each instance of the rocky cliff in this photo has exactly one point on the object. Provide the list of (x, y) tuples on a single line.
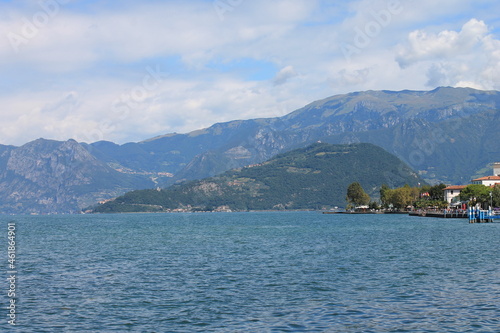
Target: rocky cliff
[(447, 135), (47, 176)]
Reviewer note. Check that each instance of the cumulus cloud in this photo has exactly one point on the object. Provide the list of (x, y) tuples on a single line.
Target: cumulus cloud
[(68, 79), (284, 75), (427, 46), (469, 57), (78, 64)]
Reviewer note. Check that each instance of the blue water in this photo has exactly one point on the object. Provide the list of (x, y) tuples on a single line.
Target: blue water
[(254, 272)]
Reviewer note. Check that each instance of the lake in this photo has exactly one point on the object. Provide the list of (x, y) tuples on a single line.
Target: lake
[(252, 272)]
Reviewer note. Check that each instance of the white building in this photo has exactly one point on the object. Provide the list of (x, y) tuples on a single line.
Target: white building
[(490, 180), (452, 192), (487, 181), (496, 169)]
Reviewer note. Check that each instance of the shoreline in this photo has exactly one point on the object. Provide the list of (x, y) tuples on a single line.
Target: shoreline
[(366, 213), (455, 215)]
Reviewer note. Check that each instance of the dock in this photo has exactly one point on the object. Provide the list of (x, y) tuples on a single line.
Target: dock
[(446, 214), (482, 216), (474, 215), (368, 212), (359, 213)]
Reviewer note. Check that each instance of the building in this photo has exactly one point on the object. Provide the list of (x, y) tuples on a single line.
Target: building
[(487, 181), (452, 192), (496, 169), (490, 180)]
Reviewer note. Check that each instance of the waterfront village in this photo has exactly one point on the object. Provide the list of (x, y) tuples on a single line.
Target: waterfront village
[(478, 201), (473, 201), (452, 193)]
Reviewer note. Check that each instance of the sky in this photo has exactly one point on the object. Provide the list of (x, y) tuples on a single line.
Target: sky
[(126, 71)]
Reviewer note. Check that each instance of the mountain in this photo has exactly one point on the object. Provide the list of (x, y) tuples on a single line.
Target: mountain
[(447, 135), (46, 177), (452, 151), (315, 177)]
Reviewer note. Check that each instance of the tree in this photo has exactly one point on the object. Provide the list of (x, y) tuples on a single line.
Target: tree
[(402, 197), (496, 195), (436, 192), (385, 195), (415, 193), (478, 194), (356, 195), (374, 205), (431, 196), (405, 196)]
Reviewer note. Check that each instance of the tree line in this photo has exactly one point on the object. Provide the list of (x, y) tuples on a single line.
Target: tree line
[(421, 197), (482, 195)]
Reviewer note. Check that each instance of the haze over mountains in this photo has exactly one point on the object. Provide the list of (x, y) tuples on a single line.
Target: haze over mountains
[(447, 135)]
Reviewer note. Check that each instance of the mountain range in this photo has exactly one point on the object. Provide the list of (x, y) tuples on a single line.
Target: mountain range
[(314, 177), (45, 176), (447, 135)]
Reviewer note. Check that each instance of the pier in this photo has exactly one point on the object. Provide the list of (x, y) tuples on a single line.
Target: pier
[(446, 213), (477, 215)]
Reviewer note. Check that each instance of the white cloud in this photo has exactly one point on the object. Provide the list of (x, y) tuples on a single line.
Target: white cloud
[(446, 44), (284, 75), (469, 84), (469, 57), (65, 81), (353, 77)]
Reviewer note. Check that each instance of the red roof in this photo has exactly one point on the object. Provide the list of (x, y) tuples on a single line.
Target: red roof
[(487, 178), (455, 187)]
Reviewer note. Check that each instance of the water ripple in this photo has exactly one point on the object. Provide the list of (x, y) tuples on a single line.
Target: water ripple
[(257, 272)]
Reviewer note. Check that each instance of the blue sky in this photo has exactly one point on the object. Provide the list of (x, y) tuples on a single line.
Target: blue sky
[(130, 70)]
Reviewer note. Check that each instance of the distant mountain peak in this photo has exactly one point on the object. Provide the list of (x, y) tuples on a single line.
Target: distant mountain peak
[(446, 134)]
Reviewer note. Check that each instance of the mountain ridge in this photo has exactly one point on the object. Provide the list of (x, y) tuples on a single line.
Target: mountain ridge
[(446, 134), (314, 177), (48, 176), (307, 124)]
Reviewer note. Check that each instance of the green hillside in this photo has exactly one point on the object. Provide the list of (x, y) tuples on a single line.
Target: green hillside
[(315, 177)]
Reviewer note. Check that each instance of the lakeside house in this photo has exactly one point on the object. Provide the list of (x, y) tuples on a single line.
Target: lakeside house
[(451, 193), (487, 181)]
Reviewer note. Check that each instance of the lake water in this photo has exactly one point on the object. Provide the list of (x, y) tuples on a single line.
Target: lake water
[(253, 272)]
